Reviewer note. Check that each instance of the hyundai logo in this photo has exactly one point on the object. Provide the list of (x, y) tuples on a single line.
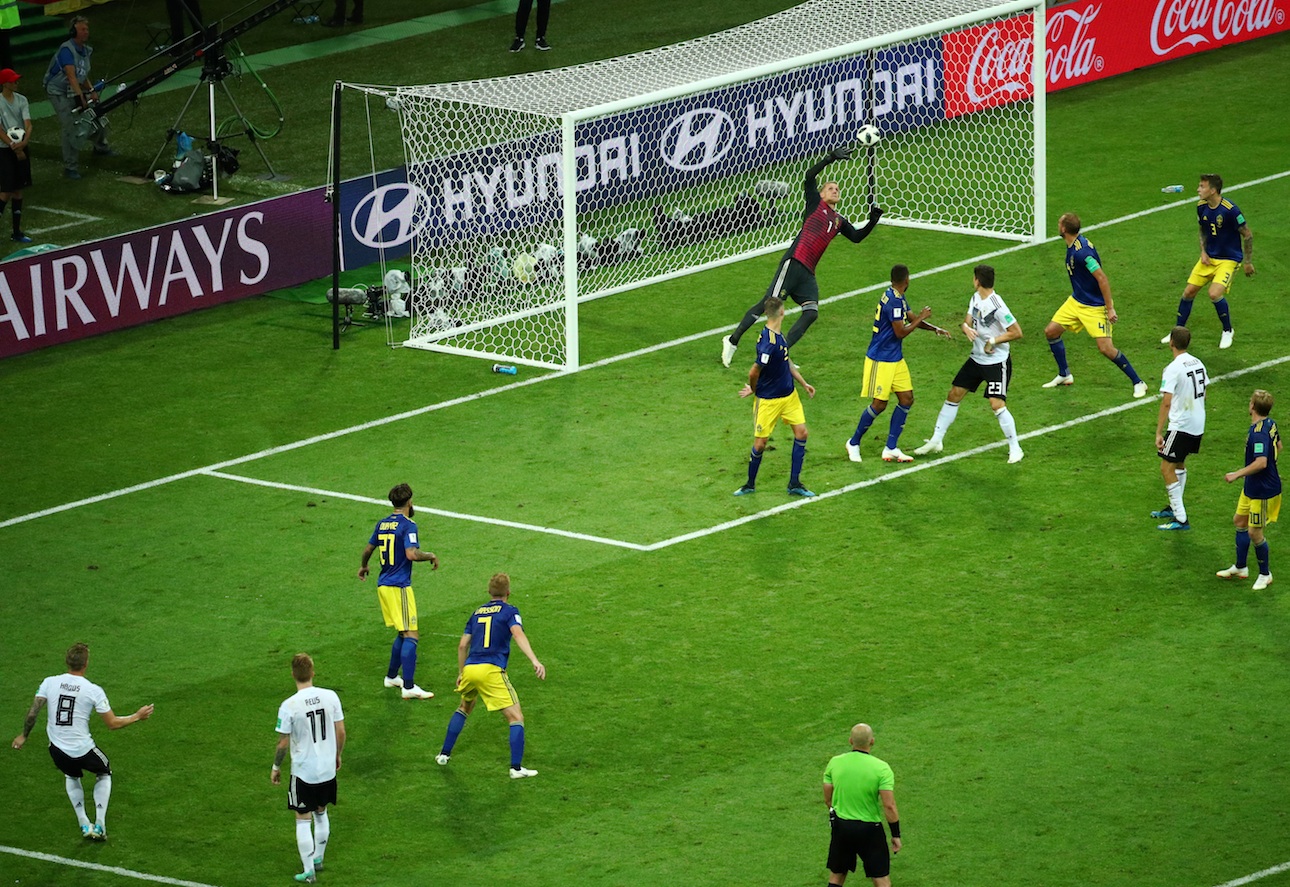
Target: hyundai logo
[(390, 216), (697, 139)]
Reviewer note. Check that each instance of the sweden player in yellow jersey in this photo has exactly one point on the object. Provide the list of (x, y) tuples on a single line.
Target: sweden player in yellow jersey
[(773, 379), (1226, 244), (395, 537), (860, 792), (1260, 501), (885, 370), (482, 656), (1089, 308)]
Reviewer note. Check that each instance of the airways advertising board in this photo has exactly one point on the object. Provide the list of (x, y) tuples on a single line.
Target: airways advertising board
[(123, 281)]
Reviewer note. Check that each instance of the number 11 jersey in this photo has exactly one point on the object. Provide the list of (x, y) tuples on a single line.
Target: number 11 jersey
[(310, 718)]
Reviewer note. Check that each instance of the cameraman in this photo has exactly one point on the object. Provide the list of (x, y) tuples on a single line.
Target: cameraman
[(67, 82)]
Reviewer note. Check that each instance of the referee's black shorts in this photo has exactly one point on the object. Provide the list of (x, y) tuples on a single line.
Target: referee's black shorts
[(853, 837)]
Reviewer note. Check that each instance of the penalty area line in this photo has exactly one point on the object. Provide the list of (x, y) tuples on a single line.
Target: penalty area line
[(438, 512), (953, 457), (94, 866), (618, 358), (1257, 876)]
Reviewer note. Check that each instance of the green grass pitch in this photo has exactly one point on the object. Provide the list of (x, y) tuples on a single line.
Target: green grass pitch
[(1067, 696)]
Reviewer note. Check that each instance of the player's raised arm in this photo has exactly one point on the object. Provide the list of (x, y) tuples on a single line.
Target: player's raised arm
[(811, 182), (908, 324), (854, 234), (115, 722)]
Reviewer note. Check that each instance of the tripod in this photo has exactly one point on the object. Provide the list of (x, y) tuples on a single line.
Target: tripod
[(215, 68)]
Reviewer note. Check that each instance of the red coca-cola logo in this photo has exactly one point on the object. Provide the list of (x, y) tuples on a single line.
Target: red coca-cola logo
[(1072, 50), (999, 66), (1197, 22)]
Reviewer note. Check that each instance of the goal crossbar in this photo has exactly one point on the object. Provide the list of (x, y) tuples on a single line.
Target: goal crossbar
[(538, 192)]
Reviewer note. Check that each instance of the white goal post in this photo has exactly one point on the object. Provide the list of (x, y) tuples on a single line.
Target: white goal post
[(692, 156)]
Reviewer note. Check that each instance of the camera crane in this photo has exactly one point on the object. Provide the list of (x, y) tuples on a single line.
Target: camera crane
[(207, 47)]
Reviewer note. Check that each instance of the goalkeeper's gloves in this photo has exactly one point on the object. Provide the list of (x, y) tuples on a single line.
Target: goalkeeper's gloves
[(875, 213), (842, 152)]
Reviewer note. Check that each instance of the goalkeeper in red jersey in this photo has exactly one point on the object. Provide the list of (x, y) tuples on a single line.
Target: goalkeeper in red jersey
[(795, 277)]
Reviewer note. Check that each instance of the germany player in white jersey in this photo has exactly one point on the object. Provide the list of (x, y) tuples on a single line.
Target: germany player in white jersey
[(71, 697), (990, 327), (1182, 407), (312, 724)]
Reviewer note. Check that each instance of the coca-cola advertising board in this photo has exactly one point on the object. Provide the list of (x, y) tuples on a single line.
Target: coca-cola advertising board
[(1088, 40)]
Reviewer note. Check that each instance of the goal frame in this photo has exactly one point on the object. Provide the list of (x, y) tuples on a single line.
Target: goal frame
[(569, 121)]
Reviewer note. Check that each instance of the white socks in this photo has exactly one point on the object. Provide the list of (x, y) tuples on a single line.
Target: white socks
[(322, 831), (949, 412), (305, 844), (102, 791), (1009, 428), (76, 793), (1175, 491)]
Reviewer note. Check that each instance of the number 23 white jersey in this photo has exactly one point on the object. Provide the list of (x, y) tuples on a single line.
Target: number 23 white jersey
[(310, 719), (1185, 379)]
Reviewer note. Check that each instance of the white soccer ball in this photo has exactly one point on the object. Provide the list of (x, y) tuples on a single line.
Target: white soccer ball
[(524, 267), (16, 133), (869, 135)]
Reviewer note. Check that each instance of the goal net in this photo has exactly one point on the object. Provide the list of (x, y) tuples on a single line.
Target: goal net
[(693, 155)]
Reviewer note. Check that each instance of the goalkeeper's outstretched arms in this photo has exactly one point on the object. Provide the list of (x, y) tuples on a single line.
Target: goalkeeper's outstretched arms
[(842, 152), (855, 235)]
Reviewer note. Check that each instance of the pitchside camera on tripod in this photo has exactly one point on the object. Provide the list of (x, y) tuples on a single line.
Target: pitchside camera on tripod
[(207, 46)]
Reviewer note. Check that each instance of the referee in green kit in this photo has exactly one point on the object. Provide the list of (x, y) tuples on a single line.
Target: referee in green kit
[(859, 791)]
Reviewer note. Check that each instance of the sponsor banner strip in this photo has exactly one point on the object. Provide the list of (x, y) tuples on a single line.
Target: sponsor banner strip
[(107, 285)]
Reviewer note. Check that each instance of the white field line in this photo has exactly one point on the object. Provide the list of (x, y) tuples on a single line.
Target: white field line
[(409, 414), (1250, 879), (923, 466), (451, 515), (770, 512), (79, 219), (110, 869)]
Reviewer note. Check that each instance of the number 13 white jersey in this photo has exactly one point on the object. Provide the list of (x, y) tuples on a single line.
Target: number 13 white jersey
[(1185, 378), (310, 718)]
